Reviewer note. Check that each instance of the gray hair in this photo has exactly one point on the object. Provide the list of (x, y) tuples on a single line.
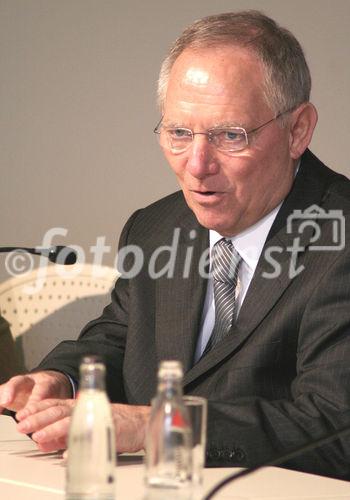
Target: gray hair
[(287, 77)]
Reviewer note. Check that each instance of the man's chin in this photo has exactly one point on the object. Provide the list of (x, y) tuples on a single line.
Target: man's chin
[(212, 217), (215, 223)]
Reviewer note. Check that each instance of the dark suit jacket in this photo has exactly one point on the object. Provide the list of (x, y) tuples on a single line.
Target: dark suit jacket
[(282, 376), (9, 362)]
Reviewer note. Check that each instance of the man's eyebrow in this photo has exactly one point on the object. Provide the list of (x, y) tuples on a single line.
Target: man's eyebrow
[(229, 124), (174, 124), (218, 125)]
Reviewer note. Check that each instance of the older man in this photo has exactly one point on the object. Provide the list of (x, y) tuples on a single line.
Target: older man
[(266, 337)]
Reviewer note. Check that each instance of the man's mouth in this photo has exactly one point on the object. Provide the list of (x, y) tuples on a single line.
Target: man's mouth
[(202, 196), (205, 193)]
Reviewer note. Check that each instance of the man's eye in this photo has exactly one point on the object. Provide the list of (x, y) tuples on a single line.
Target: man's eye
[(179, 133), (231, 135)]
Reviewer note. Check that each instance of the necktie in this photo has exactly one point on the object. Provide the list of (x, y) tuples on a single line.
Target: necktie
[(225, 266)]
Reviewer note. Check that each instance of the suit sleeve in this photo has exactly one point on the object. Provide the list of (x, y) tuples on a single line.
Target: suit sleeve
[(252, 430), (104, 336)]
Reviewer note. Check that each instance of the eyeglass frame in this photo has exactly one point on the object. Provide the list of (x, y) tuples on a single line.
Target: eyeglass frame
[(209, 133)]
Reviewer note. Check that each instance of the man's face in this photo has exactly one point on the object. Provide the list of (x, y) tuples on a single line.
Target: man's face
[(216, 87)]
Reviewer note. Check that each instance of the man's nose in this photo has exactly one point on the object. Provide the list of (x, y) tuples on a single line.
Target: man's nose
[(201, 160)]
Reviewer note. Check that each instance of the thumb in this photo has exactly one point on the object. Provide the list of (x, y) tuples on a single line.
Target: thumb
[(15, 393)]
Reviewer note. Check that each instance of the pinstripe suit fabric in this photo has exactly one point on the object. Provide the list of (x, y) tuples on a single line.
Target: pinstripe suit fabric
[(282, 376)]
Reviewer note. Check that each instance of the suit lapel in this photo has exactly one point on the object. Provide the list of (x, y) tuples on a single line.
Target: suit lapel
[(265, 290), (263, 293), (179, 300)]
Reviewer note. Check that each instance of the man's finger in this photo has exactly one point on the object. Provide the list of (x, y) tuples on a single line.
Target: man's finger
[(53, 437), (6, 394), (33, 407), (44, 418), (15, 393), (58, 444)]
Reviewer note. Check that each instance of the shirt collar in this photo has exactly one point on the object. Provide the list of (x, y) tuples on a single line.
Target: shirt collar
[(250, 242)]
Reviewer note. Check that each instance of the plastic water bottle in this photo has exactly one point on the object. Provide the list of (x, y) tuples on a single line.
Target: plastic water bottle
[(169, 437), (90, 473)]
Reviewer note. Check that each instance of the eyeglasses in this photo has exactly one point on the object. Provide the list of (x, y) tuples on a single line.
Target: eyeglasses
[(226, 139)]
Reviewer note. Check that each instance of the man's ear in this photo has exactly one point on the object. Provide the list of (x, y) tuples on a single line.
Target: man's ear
[(302, 125)]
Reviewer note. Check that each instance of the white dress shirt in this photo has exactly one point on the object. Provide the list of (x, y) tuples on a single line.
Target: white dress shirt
[(249, 245)]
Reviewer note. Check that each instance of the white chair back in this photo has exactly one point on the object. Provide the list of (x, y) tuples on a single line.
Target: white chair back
[(44, 307)]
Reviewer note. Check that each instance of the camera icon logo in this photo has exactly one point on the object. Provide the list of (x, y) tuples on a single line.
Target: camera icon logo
[(313, 216)]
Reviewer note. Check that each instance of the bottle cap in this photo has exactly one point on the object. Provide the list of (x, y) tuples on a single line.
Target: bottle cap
[(92, 359), (170, 369)]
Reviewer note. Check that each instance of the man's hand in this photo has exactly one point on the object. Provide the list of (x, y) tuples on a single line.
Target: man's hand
[(130, 423), (48, 421), (21, 390)]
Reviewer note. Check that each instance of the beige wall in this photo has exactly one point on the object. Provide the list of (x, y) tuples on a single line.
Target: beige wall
[(77, 100)]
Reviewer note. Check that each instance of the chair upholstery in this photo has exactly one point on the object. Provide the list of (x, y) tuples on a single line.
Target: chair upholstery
[(44, 310)]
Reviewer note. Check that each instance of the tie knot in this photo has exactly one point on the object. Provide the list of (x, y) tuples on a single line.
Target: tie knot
[(226, 261)]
